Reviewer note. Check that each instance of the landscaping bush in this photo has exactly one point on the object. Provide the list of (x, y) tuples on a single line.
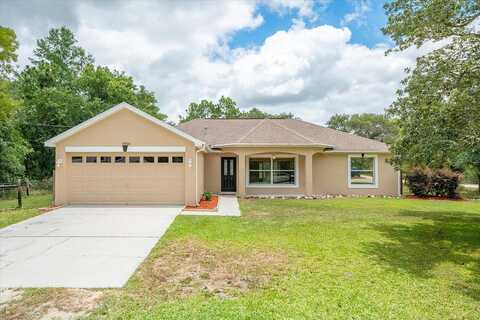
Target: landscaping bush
[(439, 182), (419, 180), (207, 195), (445, 183)]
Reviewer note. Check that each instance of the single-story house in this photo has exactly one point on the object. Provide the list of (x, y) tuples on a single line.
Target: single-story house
[(125, 155)]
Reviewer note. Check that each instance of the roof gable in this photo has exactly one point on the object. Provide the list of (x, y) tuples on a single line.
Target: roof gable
[(122, 106), (267, 131)]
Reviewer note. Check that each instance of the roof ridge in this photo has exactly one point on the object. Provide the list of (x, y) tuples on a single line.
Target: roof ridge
[(251, 130), (293, 131)]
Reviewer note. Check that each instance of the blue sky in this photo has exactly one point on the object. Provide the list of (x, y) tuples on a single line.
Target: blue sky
[(331, 61), (365, 29)]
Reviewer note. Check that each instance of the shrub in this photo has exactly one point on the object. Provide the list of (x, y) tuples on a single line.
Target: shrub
[(207, 195), (418, 181), (439, 182), (445, 183)]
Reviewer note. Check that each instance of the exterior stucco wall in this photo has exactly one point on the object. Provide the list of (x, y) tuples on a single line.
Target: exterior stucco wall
[(124, 126), (330, 176)]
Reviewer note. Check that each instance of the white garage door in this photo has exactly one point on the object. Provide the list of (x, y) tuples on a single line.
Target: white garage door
[(120, 178)]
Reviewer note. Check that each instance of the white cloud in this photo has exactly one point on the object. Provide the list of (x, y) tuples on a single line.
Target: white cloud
[(317, 72), (179, 50), (360, 8)]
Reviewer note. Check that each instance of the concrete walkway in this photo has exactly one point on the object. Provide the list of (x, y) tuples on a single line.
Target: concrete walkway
[(81, 246), (227, 207)]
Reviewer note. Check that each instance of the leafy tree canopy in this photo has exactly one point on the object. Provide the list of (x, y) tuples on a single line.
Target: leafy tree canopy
[(225, 108), (9, 44), (368, 125), (256, 113), (13, 147), (438, 108), (414, 22)]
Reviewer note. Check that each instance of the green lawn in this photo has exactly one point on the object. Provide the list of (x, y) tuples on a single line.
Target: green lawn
[(9, 214), (306, 259)]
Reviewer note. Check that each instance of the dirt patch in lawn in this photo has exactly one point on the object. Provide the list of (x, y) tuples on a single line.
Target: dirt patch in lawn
[(49, 304), (183, 268)]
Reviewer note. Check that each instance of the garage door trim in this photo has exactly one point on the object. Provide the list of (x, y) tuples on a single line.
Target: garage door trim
[(161, 149)]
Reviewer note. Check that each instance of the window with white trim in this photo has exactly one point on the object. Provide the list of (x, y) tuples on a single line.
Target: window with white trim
[(77, 159), (134, 159), (120, 159), (362, 171), (162, 159), (105, 159), (178, 159), (91, 159), (148, 159), (272, 171)]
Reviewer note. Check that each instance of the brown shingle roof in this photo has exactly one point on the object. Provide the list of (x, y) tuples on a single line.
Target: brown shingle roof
[(221, 132)]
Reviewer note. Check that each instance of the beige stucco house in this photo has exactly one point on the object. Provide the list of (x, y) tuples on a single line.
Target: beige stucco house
[(124, 155)]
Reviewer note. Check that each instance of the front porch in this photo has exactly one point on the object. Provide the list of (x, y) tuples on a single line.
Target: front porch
[(260, 172)]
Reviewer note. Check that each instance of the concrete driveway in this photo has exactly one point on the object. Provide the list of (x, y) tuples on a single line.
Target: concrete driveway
[(81, 246)]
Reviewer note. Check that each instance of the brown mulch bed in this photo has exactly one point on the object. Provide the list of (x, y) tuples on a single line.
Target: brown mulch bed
[(205, 204), (411, 196)]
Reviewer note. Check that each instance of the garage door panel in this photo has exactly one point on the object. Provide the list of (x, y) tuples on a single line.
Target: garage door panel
[(126, 182)]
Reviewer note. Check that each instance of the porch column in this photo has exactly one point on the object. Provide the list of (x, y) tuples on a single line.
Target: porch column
[(309, 174), (241, 174)]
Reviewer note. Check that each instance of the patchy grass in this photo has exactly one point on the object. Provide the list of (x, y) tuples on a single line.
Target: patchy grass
[(51, 304), (187, 267), (10, 214), (305, 259)]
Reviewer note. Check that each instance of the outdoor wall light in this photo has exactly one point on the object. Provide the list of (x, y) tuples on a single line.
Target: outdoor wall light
[(125, 146)]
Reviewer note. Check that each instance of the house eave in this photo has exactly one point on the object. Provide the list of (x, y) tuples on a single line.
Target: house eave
[(272, 145), (359, 151)]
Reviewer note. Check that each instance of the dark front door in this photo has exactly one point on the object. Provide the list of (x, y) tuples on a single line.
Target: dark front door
[(229, 174)]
